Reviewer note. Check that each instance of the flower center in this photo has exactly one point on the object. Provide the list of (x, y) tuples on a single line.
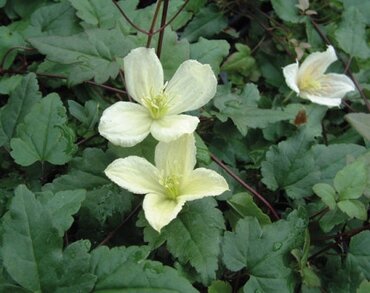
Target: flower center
[(171, 184), (309, 84), (157, 105)]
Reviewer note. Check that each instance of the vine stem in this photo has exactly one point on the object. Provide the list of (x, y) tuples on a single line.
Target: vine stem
[(154, 21), (245, 185), (128, 19), (163, 22), (346, 66)]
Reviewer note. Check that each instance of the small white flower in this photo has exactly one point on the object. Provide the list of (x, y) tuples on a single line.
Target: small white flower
[(159, 105), (168, 184), (310, 82)]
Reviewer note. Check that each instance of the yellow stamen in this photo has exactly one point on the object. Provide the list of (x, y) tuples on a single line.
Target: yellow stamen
[(171, 184), (309, 84), (157, 105)]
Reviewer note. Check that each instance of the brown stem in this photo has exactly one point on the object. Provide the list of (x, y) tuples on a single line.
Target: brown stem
[(172, 18), (357, 85), (320, 212), (163, 22), (154, 21), (128, 19), (11, 50), (245, 185)]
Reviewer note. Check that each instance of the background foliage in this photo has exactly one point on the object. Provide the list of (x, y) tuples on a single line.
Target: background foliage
[(296, 217)]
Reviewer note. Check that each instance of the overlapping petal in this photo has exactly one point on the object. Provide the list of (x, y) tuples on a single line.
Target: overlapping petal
[(135, 174), (160, 211), (125, 124), (192, 86), (171, 127), (143, 73), (202, 182), (176, 157), (317, 63), (291, 76)]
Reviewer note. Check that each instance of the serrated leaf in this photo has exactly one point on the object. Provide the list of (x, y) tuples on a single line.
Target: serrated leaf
[(208, 22), (20, 102), (359, 253), (351, 181), (9, 83), (44, 135), (194, 237), (286, 10), (261, 251), (327, 193), (9, 39), (62, 206), (351, 34), (353, 208), (244, 205), (56, 19), (362, 6), (125, 270), (360, 122), (92, 54), (32, 249), (210, 52), (244, 112)]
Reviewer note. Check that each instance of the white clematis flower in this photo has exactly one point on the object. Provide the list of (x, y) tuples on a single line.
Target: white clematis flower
[(310, 82), (159, 105), (168, 184)]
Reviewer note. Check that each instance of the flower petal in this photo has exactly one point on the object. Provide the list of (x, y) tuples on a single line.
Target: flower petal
[(317, 63), (135, 174), (176, 157), (333, 88), (125, 123), (160, 211), (291, 76), (192, 86), (172, 127), (202, 182), (143, 73)]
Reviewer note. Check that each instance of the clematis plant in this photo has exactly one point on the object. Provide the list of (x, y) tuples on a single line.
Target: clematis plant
[(310, 81), (170, 183), (159, 105)]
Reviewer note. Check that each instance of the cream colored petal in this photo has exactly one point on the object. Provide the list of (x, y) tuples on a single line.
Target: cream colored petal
[(172, 127), (333, 88), (317, 63), (135, 174), (143, 73), (192, 86), (160, 211), (176, 157), (202, 182), (125, 124), (291, 76)]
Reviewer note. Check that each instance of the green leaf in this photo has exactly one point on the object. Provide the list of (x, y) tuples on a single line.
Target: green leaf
[(32, 250), (88, 114), (287, 10), (243, 109), (351, 181), (327, 193), (9, 39), (62, 205), (9, 83), (20, 102), (364, 287), (353, 208), (93, 54), (210, 52), (362, 6), (245, 206), (351, 34), (360, 122), (203, 155), (220, 287), (359, 253), (331, 219), (96, 13), (262, 250), (24, 8), (57, 19), (124, 270), (208, 22), (44, 135)]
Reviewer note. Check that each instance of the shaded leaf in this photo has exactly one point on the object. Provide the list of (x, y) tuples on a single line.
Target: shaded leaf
[(360, 122)]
